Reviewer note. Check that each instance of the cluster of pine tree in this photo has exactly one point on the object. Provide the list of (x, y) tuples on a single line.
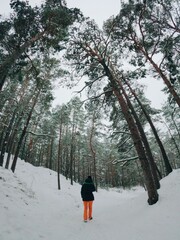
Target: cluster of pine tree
[(113, 135)]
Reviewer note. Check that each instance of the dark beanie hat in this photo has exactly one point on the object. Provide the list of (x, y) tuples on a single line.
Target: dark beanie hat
[(89, 179)]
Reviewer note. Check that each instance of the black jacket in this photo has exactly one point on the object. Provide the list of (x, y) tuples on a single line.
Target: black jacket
[(87, 190)]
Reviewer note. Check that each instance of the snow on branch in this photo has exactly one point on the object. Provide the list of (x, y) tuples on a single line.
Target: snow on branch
[(124, 160), (40, 135)]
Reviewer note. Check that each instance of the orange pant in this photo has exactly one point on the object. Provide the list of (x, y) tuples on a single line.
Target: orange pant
[(87, 209)]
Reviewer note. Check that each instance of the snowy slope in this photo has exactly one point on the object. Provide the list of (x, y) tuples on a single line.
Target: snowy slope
[(31, 208)]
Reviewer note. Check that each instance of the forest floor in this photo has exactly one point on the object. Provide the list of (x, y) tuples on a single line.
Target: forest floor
[(31, 208)]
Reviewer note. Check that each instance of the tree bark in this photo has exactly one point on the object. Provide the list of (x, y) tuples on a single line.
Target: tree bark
[(59, 155), (6, 137), (164, 155), (93, 151), (149, 181), (72, 154), (23, 133), (150, 157), (11, 142)]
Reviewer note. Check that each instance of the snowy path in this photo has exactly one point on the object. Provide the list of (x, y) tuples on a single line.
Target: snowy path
[(33, 209)]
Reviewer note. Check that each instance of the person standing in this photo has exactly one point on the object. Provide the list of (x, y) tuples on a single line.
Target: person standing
[(87, 190)]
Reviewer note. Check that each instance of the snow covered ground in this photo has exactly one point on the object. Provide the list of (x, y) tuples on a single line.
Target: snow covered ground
[(31, 208)]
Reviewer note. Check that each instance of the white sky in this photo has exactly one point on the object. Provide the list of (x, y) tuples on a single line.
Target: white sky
[(100, 10), (31, 208)]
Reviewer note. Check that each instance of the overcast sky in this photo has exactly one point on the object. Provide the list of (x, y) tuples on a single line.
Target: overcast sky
[(100, 10)]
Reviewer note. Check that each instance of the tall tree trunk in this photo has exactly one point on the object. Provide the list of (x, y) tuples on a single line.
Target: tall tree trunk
[(149, 181), (11, 142), (72, 154), (2, 136), (79, 165), (93, 150), (4, 144), (59, 155), (51, 154), (150, 157), (164, 155), (23, 133), (40, 156)]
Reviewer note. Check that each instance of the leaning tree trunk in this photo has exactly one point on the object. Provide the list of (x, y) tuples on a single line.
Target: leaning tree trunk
[(164, 155), (12, 141), (23, 133), (149, 181), (150, 157)]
